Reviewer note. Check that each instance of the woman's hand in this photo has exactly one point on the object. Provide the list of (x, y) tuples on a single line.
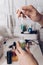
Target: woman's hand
[(31, 12), (25, 57)]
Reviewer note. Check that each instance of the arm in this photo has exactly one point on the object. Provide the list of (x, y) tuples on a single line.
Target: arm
[(41, 20), (32, 13)]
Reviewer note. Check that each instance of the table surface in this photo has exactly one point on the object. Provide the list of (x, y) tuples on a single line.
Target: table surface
[(35, 50), (27, 36)]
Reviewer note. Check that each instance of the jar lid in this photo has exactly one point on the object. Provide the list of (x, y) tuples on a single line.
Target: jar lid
[(22, 41)]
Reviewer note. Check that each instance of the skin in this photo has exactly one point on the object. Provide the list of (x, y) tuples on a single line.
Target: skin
[(25, 57), (32, 13)]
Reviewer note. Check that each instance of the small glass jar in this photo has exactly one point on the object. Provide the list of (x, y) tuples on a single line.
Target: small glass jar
[(22, 44)]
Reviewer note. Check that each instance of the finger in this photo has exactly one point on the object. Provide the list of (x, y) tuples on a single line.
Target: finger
[(27, 45), (19, 14), (17, 52), (19, 47), (25, 8), (29, 7), (17, 44), (23, 16), (17, 11), (28, 50), (27, 13)]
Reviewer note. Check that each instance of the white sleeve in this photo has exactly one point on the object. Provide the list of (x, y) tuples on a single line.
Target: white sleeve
[(41, 34)]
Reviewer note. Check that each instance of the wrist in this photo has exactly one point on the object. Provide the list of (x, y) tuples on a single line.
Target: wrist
[(41, 19)]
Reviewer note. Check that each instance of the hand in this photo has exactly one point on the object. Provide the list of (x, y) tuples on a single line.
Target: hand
[(31, 12), (25, 57)]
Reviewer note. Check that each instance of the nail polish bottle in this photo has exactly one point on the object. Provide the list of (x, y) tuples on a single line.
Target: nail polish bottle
[(22, 44), (9, 57), (14, 56)]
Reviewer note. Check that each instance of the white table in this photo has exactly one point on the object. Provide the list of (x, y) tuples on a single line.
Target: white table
[(35, 50), (27, 36)]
